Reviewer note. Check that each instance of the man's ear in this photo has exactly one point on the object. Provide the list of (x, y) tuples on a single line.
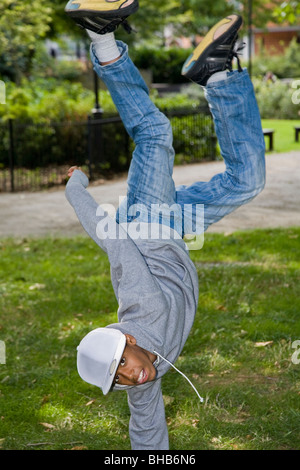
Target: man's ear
[(130, 339)]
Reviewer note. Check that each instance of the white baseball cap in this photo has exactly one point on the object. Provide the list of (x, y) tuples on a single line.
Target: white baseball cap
[(98, 356)]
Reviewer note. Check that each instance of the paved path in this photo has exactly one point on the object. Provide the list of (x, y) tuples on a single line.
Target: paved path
[(49, 213)]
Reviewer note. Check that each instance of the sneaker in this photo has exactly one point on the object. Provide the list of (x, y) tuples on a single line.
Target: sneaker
[(215, 52), (101, 16)]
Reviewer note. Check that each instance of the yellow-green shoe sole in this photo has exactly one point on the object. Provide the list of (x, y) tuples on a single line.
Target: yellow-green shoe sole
[(90, 8)]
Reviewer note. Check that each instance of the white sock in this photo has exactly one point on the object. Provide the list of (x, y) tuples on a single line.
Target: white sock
[(105, 46), (217, 77)]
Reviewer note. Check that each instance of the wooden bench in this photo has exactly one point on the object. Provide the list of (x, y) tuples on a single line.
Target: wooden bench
[(297, 132), (269, 133)]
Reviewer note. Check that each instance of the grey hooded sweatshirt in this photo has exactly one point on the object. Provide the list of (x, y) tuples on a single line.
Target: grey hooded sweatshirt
[(156, 286)]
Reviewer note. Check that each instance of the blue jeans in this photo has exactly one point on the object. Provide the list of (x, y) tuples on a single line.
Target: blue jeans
[(150, 184)]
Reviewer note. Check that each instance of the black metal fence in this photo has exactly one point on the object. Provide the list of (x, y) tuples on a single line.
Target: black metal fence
[(36, 156)]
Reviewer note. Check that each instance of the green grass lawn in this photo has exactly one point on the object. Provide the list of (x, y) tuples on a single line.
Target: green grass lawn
[(239, 353), (284, 136)]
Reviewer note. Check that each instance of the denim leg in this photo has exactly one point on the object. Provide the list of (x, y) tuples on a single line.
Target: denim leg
[(150, 175), (238, 127)]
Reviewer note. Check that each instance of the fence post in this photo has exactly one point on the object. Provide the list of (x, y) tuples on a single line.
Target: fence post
[(90, 161), (96, 136), (11, 154)]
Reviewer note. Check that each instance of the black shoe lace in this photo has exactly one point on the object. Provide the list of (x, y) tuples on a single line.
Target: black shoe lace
[(114, 24), (235, 53), (127, 26)]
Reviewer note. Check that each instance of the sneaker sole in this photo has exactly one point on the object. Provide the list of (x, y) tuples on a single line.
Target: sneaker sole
[(119, 13), (208, 44)]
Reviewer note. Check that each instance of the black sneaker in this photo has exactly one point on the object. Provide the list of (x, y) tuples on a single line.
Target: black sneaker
[(215, 52), (101, 16)]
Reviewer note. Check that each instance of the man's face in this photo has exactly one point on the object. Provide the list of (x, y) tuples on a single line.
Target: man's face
[(136, 365)]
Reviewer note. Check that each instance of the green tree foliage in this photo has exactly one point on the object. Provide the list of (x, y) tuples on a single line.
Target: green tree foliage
[(61, 23), (186, 16), (22, 24), (288, 11), (25, 23), (191, 17)]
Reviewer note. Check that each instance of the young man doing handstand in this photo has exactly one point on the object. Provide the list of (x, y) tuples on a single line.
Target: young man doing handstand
[(153, 277)]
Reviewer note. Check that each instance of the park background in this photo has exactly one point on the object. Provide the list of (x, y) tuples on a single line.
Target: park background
[(55, 284)]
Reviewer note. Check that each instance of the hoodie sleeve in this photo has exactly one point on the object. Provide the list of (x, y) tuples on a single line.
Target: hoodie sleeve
[(147, 425), (132, 280), (89, 213)]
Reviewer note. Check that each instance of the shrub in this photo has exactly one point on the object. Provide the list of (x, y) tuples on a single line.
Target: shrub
[(275, 99), (165, 64), (285, 65), (50, 125), (46, 100)]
